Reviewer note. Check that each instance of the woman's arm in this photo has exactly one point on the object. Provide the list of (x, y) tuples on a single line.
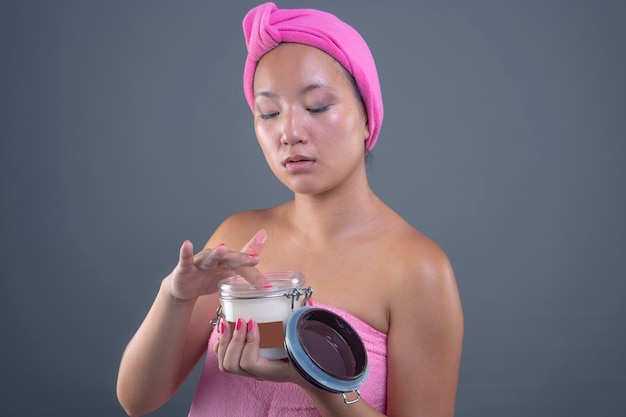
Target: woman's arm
[(173, 336), (161, 354), (425, 338)]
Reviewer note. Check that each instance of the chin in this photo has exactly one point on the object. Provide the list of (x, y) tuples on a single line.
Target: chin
[(304, 187)]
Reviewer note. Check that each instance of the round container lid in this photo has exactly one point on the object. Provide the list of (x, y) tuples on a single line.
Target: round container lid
[(326, 350)]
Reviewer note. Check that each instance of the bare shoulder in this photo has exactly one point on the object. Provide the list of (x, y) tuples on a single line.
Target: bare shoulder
[(238, 228), (419, 264), (423, 290)]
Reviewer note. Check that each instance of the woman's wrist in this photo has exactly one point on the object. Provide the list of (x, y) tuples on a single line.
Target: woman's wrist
[(167, 289)]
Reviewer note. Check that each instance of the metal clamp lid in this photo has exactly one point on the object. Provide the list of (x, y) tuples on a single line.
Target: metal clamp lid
[(218, 316), (296, 293), (347, 401)]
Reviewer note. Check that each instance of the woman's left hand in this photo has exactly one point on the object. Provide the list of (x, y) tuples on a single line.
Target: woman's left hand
[(238, 352)]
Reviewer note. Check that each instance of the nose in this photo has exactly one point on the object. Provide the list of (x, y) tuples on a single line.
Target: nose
[(293, 130)]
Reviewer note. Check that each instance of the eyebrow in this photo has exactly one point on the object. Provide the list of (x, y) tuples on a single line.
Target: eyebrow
[(305, 90)]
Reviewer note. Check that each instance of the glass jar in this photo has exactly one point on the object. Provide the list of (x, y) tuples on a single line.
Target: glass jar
[(270, 306)]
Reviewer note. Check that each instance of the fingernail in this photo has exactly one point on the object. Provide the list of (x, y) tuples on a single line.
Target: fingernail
[(238, 325), (267, 286), (250, 325), (310, 302), (222, 329), (261, 237), (253, 255)]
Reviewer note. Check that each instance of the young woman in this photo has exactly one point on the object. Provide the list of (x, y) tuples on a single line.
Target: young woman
[(312, 85)]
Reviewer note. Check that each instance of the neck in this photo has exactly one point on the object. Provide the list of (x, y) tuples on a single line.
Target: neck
[(335, 216)]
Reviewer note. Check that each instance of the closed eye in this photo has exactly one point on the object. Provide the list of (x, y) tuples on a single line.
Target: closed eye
[(268, 115), (319, 109)]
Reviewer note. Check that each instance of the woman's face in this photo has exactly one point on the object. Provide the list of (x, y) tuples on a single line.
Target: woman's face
[(308, 120)]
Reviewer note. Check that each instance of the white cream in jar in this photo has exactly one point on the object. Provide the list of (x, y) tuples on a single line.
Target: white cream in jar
[(270, 306)]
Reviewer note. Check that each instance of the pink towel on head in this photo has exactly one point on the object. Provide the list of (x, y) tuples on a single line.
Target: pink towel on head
[(266, 26), (221, 394)]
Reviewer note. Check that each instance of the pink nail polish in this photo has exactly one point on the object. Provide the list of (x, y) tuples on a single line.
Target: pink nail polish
[(267, 286), (222, 328), (250, 325), (238, 325), (253, 256), (310, 302)]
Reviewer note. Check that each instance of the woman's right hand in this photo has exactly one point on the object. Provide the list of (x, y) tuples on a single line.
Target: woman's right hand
[(199, 274)]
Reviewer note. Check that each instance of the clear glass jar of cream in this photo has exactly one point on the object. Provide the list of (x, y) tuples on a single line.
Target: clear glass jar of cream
[(270, 306)]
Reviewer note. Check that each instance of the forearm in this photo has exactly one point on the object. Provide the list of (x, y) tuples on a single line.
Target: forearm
[(151, 365), (332, 405)]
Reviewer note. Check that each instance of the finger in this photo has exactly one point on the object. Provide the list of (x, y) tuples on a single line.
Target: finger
[(208, 258), (185, 257), (261, 368), (251, 351), (253, 276), (219, 329), (233, 349), (256, 244), (216, 346), (222, 342), (232, 260), (232, 355)]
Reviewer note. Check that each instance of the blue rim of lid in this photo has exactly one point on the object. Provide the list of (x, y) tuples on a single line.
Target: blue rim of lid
[(326, 350)]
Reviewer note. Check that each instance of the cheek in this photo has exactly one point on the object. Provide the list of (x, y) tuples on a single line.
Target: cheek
[(263, 135), (349, 127), (264, 139)]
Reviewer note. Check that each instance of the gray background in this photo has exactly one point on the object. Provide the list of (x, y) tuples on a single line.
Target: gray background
[(124, 131)]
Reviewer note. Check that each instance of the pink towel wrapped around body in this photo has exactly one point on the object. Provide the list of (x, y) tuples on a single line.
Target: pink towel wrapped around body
[(221, 394)]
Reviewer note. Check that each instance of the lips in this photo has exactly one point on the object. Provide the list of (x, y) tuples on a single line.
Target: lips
[(295, 158), (298, 162)]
